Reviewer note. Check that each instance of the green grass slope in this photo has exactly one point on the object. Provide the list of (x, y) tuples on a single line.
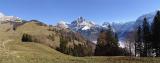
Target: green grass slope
[(12, 50), (39, 32)]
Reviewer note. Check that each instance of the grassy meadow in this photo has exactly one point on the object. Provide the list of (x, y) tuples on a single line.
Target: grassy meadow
[(12, 50)]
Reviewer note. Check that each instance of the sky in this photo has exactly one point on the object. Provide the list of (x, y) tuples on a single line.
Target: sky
[(98, 11)]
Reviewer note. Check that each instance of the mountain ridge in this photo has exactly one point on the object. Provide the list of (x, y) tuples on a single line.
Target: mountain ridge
[(91, 30)]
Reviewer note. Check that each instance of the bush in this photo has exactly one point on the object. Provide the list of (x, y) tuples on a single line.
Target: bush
[(51, 37), (26, 38)]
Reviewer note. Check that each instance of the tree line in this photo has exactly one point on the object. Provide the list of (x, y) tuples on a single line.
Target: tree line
[(147, 39), (73, 44), (107, 44)]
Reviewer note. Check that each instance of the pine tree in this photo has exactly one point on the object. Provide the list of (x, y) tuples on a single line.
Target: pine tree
[(100, 47), (138, 41), (68, 46), (156, 33), (146, 37), (107, 43), (116, 37), (26, 38), (63, 44)]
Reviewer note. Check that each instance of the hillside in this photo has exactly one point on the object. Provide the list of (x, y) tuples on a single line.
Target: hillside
[(13, 51), (39, 32), (79, 31)]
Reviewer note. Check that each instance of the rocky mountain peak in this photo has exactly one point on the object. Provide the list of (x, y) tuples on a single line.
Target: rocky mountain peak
[(82, 23)]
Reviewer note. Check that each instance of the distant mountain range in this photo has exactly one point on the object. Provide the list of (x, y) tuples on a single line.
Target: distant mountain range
[(8, 18), (90, 30)]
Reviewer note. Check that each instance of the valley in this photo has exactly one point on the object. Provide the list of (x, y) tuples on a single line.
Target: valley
[(79, 31)]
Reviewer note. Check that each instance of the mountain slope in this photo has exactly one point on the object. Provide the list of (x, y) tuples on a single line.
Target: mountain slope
[(86, 28), (54, 37), (91, 31), (30, 52), (39, 32), (12, 50)]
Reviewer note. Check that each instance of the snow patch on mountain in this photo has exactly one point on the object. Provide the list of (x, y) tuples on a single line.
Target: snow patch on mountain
[(81, 24), (90, 30), (8, 18), (105, 24), (148, 16), (62, 24), (1, 14), (85, 28)]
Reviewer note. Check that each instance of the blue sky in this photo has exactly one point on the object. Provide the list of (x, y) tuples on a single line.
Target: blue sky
[(99, 11)]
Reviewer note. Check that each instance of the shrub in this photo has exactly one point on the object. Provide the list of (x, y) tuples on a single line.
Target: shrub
[(26, 38)]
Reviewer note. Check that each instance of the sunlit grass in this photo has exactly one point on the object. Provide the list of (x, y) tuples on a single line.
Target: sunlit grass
[(15, 51)]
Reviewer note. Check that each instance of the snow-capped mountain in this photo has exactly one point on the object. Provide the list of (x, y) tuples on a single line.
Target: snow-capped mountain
[(8, 18), (90, 31), (132, 27), (82, 24), (120, 28), (86, 28), (148, 16)]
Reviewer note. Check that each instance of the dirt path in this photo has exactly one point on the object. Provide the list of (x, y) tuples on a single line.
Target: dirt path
[(4, 51)]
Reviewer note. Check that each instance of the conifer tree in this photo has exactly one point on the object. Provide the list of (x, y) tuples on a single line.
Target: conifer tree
[(156, 33), (107, 43), (138, 41), (146, 37)]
